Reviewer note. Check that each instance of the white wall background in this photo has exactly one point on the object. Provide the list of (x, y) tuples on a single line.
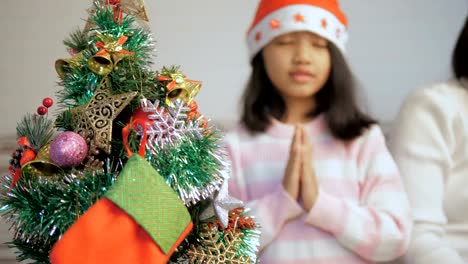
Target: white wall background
[(395, 46)]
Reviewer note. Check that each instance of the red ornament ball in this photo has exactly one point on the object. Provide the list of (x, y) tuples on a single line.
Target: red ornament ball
[(68, 149), (47, 102), (139, 114), (42, 110)]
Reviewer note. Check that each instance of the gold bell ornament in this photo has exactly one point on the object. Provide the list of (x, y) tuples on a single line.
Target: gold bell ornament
[(61, 65), (180, 89), (42, 165), (101, 63), (110, 54)]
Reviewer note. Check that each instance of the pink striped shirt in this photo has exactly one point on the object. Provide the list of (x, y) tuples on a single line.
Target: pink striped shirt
[(361, 215)]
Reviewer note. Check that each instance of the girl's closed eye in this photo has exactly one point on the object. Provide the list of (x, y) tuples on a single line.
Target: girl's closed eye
[(318, 42), (286, 43), (322, 44), (284, 40)]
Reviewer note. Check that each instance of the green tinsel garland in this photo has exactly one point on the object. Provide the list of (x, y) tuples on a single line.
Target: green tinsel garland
[(41, 209), (139, 39), (79, 84), (191, 165), (128, 78)]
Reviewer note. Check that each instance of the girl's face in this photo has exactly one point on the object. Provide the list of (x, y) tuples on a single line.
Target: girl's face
[(298, 64)]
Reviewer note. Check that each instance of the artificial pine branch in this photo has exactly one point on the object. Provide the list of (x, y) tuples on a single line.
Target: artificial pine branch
[(38, 129), (31, 252), (64, 121), (77, 41)]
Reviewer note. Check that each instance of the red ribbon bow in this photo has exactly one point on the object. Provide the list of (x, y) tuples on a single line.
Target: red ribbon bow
[(118, 13), (106, 47), (173, 82)]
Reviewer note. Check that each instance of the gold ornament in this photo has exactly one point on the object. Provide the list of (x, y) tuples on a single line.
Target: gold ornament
[(109, 56), (180, 88), (62, 64), (101, 64), (117, 57), (134, 8), (94, 120), (111, 44), (215, 251), (42, 165)]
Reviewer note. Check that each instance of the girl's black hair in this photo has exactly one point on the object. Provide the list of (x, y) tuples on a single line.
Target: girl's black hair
[(337, 100), (460, 54)]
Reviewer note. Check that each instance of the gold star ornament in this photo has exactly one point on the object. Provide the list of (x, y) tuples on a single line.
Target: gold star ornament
[(94, 120), (134, 8)]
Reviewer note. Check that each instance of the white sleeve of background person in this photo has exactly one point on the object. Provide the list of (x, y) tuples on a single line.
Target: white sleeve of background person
[(422, 143)]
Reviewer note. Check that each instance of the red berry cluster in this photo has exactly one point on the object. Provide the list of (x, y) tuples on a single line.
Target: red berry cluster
[(46, 103)]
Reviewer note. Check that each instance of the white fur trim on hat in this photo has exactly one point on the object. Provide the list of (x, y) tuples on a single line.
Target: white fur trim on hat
[(287, 19)]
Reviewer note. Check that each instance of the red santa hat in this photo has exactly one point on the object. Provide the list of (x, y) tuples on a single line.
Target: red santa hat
[(277, 17)]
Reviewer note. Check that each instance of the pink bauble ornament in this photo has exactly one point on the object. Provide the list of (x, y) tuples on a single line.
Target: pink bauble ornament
[(68, 149)]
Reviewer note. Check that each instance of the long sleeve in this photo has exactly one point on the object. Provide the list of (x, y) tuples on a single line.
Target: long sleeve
[(378, 227), (422, 142), (265, 209)]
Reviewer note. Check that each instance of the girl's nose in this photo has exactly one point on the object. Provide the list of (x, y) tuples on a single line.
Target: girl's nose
[(301, 54)]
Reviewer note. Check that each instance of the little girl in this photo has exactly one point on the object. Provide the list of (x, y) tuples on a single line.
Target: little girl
[(313, 168)]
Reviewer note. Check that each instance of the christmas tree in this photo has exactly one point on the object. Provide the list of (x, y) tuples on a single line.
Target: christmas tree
[(128, 170)]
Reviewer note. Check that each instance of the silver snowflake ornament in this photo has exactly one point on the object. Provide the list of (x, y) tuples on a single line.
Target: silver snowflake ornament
[(167, 125)]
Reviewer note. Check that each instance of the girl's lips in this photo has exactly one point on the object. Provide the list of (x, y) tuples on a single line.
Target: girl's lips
[(301, 76)]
